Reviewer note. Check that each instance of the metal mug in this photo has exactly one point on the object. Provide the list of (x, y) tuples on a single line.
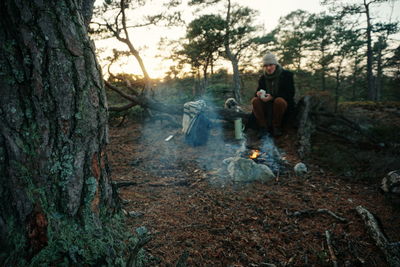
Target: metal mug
[(239, 127)]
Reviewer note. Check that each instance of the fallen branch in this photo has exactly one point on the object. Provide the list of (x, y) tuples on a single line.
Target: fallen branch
[(145, 102), (122, 108), (330, 248), (312, 212), (392, 252)]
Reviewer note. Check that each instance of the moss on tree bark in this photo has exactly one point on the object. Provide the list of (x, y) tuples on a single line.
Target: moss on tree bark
[(56, 199)]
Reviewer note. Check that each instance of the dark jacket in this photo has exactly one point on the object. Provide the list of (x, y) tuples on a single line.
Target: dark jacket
[(285, 87)]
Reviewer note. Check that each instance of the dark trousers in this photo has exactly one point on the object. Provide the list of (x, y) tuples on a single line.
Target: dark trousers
[(269, 114)]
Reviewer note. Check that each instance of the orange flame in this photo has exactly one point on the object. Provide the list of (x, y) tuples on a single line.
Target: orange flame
[(255, 153)]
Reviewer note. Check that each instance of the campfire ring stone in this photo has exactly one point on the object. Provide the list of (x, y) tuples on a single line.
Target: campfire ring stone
[(246, 170), (300, 169)]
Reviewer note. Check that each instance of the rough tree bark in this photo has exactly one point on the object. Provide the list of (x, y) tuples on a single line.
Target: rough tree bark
[(53, 127)]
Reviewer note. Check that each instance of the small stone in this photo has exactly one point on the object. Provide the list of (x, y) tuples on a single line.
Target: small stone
[(300, 169), (391, 182)]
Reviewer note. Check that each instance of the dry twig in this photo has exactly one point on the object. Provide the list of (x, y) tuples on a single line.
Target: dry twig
[(330, 248)]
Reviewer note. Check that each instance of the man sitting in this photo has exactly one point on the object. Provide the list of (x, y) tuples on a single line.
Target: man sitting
[(274, 96)]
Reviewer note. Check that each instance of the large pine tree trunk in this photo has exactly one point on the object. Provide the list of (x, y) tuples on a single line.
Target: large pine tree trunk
[(53, 126)]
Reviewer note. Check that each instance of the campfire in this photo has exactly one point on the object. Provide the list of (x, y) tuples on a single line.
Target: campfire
[(257, 156), (255, 153)]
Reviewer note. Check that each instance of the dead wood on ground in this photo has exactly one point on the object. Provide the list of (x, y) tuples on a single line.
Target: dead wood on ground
[(391, 251), (330, 248), (148, 103)]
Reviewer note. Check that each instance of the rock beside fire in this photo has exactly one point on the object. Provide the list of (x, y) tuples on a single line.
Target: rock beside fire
[(391, 183), (300, 169), (391, 187), (246, 170)]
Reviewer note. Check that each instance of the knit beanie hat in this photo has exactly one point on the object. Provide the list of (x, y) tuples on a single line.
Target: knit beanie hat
[(270, 58)]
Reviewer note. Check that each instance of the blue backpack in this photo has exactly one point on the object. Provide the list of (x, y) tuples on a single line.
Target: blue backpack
[(199, 130)]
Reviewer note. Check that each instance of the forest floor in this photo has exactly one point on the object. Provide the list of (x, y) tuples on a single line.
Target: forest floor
[(192, 211)]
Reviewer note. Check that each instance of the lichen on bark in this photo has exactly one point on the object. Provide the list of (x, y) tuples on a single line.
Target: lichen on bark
[(53, 131)]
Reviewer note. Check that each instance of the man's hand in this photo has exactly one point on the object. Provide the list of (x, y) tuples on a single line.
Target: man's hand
[(267, 98)]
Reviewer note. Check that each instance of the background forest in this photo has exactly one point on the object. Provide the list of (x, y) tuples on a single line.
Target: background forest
[(348, 55), (347, 51)]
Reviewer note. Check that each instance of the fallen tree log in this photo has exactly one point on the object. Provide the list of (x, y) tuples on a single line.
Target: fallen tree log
[(145, 102), (390, 250), (122, 108)]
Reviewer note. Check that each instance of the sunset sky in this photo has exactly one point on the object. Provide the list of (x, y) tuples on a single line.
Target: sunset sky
[(147, 39)]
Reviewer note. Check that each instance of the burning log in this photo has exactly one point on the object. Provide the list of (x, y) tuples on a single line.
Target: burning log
[(257, 156), (255, 153)]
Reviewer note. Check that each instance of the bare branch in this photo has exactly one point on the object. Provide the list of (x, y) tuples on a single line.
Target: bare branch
[(145, 102)]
